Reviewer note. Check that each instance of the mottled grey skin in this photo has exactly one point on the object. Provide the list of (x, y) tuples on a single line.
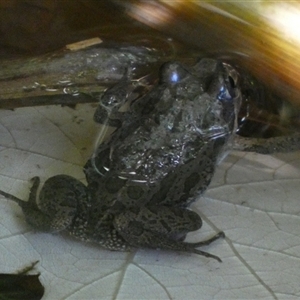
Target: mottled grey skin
[(160, 158)]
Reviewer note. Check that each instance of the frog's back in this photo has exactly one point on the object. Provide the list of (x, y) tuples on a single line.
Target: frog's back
[(180, 129)]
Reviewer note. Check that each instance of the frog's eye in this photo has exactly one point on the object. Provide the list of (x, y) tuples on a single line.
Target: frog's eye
[(228, 90), (231, 81), (225, 93), (172, 73)]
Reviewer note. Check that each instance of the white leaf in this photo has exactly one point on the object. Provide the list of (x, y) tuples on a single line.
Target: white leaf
[(253, 198)]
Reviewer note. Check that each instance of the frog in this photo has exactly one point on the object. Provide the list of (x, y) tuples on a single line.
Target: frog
[(161, 157)]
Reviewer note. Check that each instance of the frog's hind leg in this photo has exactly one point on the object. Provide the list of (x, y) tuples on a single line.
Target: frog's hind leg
[(162, 227), (59, 200), (65, 199), (32, 213)]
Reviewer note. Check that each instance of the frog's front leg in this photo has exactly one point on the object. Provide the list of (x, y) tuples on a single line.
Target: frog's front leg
[(58, 205), (107, 112), (162, 227)]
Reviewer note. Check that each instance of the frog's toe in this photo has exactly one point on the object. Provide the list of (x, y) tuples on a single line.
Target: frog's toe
[(35, 179), (219, 235), (11, 197), (206, 254)]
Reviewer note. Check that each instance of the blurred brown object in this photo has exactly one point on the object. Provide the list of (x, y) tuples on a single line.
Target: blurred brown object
[(32, 27), (262, 36), (24, 24)]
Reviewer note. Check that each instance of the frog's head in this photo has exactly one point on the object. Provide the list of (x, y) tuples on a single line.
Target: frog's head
[(207, 96)]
